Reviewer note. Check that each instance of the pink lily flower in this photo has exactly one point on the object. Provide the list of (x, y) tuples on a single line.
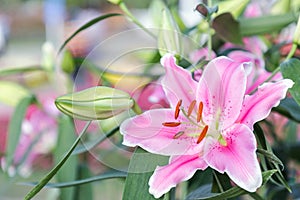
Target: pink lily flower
[(209, 124)]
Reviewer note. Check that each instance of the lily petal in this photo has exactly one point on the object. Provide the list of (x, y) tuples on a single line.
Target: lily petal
[(177, 83), (146, 130), (258, 106), (180, 168), (221, 89), (238, 159)]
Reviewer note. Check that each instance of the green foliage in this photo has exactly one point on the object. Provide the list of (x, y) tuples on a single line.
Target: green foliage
[(68, 172), (57, 167), (291, 69), (227, 28), (15, 125), (141, 167)]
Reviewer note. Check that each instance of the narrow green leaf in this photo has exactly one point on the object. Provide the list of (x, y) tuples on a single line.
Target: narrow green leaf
[(227, 28), (84, 191), (50, 175), (68, 172), (221, 182), (107, 175), (14, 130), (12, 71), (291, 69), (271, 156), (87, 25), (289, 108), (204, 192), (265, 24), (90, 145), (141, 167)]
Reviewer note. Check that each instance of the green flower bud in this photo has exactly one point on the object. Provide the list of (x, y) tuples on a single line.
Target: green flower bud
[(169, 36), (95, 103), (67, 63)]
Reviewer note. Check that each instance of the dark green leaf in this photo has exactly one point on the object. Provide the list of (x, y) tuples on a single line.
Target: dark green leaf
[(221, 182), (294, 151), (289, 108), (50, 175), (68, 172), (227, 28), (107, 175), (204, 192), (265, 24), (14, 130), (87, 25), (141, 167), (270, 156), (291, 69)]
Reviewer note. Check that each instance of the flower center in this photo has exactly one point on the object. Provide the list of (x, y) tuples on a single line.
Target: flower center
[(194, 126)]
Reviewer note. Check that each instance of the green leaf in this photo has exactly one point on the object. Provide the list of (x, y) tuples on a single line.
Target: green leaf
[(227, 28), (87, 25), (68, 172), (57, 167), (270, 156), (14, 129), (104, 176), (90, 145), (289, 108), (291, 69), (265, 24), (141, 167), (11, 93), (221, 182), (84, 191), (12, 71), (204, 192)]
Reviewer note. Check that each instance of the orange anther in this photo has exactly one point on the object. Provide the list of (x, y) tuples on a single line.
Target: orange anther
[(177, 135), (177, 109), (171, 124), (200, 109), (191, 108), (203, 134)]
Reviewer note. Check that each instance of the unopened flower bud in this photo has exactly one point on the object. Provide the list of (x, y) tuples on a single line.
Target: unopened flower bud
[(95, 103)]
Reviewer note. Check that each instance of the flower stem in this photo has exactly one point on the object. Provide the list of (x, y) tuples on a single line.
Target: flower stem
[(209, 41), (124, 8)]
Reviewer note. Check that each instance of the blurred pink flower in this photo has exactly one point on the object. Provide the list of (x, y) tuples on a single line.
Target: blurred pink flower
[(152, 96), (215, 131), (38, 136)]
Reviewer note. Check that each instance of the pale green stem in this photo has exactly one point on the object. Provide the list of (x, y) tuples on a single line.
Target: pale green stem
[(124, 8), (209, 41)]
